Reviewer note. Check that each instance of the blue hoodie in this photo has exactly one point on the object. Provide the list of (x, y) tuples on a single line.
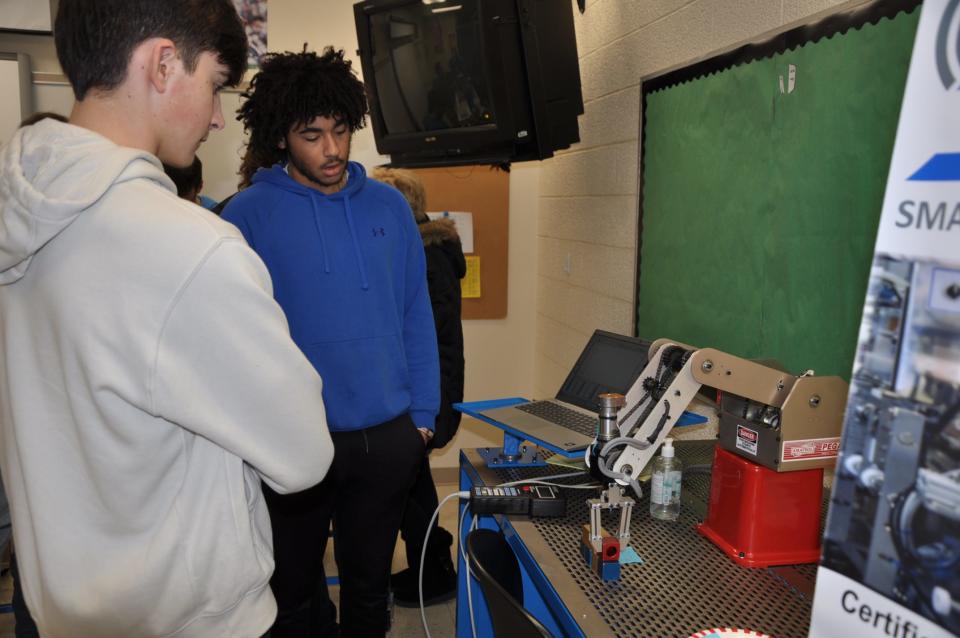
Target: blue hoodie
[(349, 271)]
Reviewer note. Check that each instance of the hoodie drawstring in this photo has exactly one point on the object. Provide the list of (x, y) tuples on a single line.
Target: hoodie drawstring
[(323, 244), (356, 244)]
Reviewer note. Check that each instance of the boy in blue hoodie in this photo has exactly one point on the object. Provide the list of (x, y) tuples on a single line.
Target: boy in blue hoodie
[(348, 269)]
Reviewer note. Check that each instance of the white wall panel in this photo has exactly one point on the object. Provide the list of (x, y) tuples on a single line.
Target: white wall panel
[(27, 15)]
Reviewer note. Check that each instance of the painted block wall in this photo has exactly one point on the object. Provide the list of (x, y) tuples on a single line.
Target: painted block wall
[(587, 218)]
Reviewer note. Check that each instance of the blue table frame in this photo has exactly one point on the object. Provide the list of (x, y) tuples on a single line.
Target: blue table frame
[(539, 595)]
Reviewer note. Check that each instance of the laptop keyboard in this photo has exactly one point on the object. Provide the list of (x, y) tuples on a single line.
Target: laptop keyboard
[(562, 416)]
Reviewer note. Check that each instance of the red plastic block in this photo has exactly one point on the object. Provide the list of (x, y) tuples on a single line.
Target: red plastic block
[(610, 549)]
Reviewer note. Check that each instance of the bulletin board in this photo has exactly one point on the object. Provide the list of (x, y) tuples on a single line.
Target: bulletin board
[(761, 191), (484, 192)]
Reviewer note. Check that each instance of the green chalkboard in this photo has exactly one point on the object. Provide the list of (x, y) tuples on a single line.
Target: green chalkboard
[(759, 209)]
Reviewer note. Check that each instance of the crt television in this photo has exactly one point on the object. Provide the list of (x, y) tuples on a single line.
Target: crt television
[(470, 81)]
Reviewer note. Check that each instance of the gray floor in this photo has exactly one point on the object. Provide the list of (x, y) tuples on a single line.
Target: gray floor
[(406, 622)]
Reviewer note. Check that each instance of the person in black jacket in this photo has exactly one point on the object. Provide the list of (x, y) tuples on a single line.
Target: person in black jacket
[(445, 267)]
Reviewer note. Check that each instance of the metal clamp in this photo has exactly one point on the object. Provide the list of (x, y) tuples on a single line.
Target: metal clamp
[(611, 498)]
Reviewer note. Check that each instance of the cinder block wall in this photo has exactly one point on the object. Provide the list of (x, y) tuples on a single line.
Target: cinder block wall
[(587, 225)]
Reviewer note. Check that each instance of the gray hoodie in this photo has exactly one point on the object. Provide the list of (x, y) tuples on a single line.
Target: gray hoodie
[(147, 384)]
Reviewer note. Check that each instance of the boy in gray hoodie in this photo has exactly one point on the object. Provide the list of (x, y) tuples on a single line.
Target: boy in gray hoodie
[(148, 381)]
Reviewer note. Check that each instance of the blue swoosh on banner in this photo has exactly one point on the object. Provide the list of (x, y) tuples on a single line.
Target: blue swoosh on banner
[(942, 167)]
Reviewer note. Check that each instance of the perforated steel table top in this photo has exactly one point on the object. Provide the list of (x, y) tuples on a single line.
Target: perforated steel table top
[(685, 583)]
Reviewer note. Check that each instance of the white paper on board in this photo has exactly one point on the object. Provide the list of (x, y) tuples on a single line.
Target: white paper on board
[(464, 223)]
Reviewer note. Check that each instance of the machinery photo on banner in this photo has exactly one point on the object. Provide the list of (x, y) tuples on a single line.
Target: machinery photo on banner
[(891, 550), (895, 509)]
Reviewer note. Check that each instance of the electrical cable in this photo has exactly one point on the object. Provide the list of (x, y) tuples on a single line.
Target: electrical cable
[(663, 421), (622, 440), (423, 553), (466, 565), (473, 624), (473, 526), (578, 486), (606, 470), (544, 478)]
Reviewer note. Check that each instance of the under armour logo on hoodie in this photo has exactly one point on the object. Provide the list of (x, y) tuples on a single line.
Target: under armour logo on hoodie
[(379, 232)]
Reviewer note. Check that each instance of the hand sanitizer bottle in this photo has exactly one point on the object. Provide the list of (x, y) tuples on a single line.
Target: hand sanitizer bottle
[(665, 488)]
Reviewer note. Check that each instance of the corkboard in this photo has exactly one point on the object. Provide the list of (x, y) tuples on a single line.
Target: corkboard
[(485, 192)]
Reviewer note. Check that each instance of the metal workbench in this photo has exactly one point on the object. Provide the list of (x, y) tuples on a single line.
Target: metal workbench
[(684, 585)]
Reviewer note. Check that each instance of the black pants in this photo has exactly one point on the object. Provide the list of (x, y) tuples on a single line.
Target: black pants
[(24, 626), (364, 494), (423, 501)]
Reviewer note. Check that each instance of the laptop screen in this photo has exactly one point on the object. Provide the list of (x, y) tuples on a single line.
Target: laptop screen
[(609, 363)]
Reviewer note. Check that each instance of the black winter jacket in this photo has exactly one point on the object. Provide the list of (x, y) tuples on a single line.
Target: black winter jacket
[(446, 266)]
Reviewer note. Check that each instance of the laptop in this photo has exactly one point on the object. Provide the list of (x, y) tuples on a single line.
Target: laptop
[(609, 363)]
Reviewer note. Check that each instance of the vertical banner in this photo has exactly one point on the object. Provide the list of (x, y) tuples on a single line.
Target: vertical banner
[(891, 551)]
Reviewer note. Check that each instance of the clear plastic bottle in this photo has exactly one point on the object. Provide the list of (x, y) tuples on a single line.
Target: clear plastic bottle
[(665, 485)]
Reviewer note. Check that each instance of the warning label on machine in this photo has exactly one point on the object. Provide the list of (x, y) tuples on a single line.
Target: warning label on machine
[(806, 449), (747, 440)]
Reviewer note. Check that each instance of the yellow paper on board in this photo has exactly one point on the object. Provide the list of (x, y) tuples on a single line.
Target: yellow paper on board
[(470, 284)]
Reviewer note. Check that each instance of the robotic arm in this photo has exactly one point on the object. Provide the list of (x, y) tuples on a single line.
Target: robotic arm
[(763, 412), (632, 427), (778, 415)]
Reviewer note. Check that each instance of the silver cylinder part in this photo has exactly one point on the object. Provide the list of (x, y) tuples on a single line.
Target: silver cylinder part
[(610, 404)]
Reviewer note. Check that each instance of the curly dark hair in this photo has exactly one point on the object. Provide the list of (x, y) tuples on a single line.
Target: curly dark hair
[(292, 89)]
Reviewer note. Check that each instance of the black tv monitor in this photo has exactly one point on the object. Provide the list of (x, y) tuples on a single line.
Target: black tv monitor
[(470, 81)]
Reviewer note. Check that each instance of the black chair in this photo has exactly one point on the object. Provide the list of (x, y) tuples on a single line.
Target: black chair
[(495, 566)]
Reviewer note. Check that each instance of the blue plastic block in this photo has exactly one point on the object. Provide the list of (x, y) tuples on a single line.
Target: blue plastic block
[(610, 570), (587, 552)]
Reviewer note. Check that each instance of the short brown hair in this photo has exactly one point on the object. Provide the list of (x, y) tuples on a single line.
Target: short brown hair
[(96, 38)]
